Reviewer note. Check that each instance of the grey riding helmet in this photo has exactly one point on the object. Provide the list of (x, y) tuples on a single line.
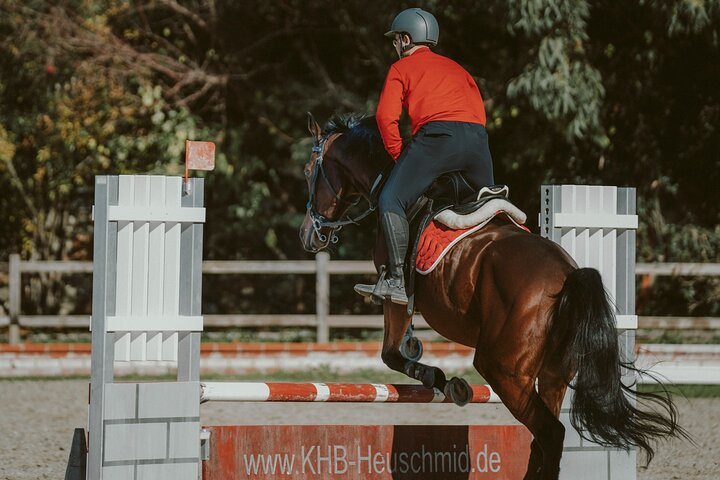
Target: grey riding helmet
[(419, 24)]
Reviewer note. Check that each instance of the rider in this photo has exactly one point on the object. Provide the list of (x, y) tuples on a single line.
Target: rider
[(448, 127)]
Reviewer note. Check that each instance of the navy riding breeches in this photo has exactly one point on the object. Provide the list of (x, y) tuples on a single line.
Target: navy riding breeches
[(436, 149)]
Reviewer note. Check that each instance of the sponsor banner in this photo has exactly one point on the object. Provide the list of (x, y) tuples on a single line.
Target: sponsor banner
[(368, 452)]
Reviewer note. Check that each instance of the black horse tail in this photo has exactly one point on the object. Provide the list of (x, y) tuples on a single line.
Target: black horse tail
[(604, 410)]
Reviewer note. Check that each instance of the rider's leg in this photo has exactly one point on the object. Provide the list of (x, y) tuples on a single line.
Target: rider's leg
[(394, 225), (475, 161), (416, 169), (438, 148), (391, 283), (396, 232)]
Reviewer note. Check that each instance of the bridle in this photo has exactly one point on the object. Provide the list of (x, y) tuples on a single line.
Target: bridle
[(319, 221)]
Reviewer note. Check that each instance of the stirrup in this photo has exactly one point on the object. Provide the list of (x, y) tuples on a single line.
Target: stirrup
[(366, 290), (399, 298), (363, 289), (384, 291)]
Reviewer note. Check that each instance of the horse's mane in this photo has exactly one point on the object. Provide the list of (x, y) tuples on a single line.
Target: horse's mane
[(362, 135), (353, 123)]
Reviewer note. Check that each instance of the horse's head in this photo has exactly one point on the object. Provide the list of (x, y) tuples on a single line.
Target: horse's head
[(331, 186)]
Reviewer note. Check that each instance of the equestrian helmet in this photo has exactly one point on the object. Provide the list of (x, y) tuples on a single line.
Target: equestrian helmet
[(419, 24)]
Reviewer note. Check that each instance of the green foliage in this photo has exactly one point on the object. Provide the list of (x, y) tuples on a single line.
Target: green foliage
[(688, 17), (559, 83), (599, 92), (59, 127), (61, 130)]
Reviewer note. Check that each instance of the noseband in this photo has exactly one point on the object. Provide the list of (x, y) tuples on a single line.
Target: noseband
[(319, 221)]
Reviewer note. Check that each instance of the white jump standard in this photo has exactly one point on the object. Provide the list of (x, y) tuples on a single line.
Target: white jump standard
[(146, 307)]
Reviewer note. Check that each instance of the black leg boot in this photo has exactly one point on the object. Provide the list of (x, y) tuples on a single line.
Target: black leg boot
[(392, 284)]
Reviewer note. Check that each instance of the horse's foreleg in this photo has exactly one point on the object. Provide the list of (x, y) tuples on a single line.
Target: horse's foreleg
[(397, 322)]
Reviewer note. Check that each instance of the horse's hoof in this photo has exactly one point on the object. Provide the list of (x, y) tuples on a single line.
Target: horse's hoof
[(459, 391), (411, 348)]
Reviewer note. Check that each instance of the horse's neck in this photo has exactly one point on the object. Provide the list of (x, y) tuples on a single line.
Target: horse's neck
[(366, 173), (365, 167)]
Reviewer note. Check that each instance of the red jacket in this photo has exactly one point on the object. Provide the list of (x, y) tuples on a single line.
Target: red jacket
[(431, 88)]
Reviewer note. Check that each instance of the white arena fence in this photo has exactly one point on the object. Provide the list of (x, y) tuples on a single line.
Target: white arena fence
[(322, 321)]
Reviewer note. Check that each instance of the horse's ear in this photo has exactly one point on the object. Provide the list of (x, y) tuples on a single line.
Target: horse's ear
[(313, 126)]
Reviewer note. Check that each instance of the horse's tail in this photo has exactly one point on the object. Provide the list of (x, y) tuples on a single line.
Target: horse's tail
[(603, 408)]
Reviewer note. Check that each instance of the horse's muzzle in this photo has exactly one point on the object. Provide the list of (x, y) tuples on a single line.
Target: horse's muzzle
[(309, 238)]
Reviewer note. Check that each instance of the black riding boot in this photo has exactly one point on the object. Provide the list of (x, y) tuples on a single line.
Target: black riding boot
[(391, 284)]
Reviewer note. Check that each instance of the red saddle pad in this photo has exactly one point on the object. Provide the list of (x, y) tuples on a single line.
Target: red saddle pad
[(438, 239)]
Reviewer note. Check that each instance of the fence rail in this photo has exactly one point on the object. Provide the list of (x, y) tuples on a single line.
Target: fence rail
[(322, 320)]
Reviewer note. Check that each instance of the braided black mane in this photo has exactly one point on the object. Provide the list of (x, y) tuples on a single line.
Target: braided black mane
[(357, 123), (362, 135)]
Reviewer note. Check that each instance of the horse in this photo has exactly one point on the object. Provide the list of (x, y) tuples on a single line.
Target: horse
[(532, 316)]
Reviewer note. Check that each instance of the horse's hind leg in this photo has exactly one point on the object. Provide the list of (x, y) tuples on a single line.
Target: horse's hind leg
[(551, 388), (517, 391), (397, 322)]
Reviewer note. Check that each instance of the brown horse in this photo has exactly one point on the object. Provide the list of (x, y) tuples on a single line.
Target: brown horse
[(518, 299)]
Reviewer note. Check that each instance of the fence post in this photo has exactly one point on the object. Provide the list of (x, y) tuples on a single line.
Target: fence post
[(14, 287), (322, 295)]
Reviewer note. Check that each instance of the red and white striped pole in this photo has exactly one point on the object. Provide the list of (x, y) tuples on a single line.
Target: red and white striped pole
[(332, 392)]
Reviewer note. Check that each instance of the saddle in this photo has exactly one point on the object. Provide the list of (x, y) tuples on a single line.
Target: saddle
[(453, 192), (452, 201)]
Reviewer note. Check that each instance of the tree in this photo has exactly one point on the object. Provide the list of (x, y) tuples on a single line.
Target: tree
[(60, 125), (575, 91)]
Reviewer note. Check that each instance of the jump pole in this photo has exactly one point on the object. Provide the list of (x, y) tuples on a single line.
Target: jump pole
[(332, 392), (146, 307)]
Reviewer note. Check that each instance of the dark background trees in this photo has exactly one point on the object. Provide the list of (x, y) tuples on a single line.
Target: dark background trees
[(603, 92)]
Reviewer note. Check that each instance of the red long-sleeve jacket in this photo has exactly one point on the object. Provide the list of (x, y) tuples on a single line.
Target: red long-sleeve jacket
[(431, 88)]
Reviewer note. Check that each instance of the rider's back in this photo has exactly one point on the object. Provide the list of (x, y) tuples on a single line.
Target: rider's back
[(434, 88)]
